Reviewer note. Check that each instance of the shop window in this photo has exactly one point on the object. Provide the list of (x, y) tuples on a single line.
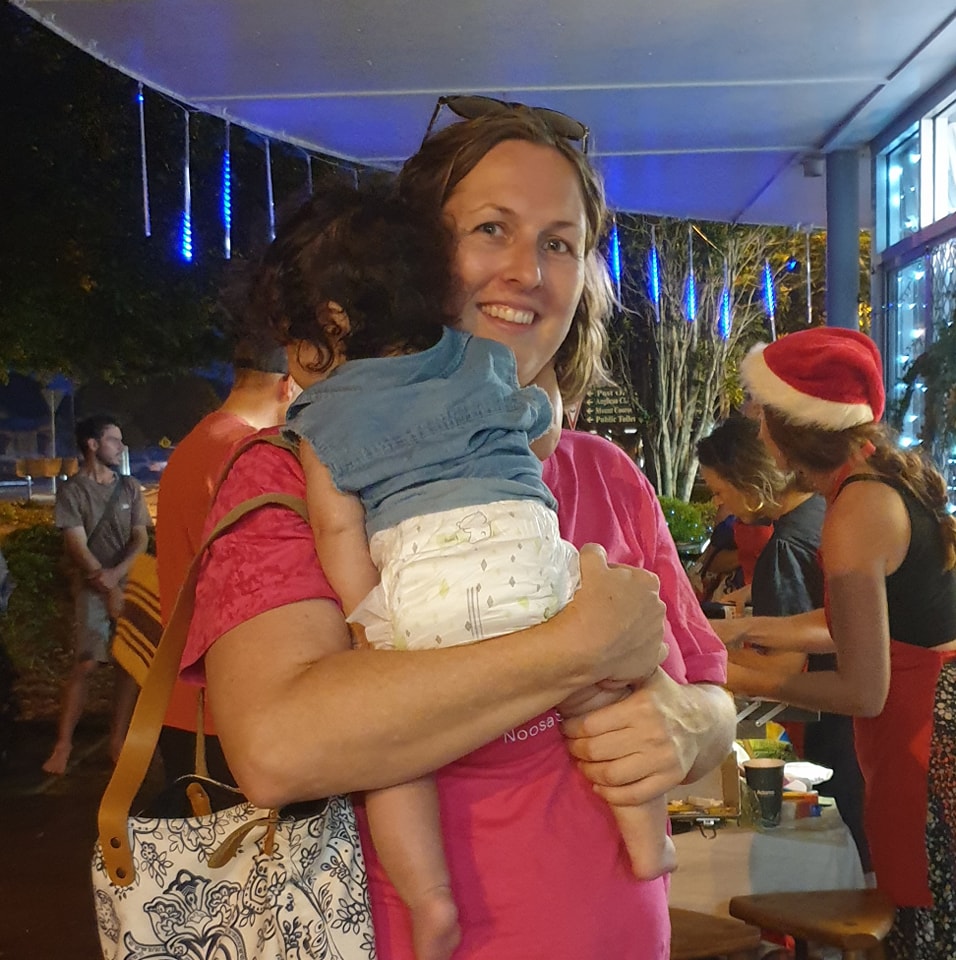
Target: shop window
[(908, 316), (945, 162), (903, 190)]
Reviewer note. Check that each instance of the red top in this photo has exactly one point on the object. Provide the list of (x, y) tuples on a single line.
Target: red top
[(750, 538), (185, 496), (538, 868)]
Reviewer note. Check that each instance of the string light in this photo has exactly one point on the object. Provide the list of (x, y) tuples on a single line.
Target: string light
[(186, 226), (227, 195), (770, 299), (615, 257), (690, 300), (724, 318), (654, 275), (269, 192), (809, 286), (147, 226)]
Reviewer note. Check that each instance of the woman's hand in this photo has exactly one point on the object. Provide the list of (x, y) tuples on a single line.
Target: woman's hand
[(663, 734), (800, 632), (621, 618), (731, 630)]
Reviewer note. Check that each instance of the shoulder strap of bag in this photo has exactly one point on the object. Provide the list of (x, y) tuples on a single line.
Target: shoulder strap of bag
[(108, 509), (143, 734)]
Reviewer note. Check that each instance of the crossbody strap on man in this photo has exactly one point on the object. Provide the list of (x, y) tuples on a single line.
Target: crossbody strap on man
[(120, 483)]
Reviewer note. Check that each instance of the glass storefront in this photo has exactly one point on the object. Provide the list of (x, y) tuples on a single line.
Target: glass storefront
[(917, 177), (907, 313), (903, 190), (944, 156), (916, 192)]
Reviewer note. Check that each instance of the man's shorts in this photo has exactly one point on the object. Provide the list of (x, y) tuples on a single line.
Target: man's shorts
[(93, 628)]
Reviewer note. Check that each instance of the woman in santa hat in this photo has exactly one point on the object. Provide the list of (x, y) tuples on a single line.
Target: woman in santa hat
[(888, 551)]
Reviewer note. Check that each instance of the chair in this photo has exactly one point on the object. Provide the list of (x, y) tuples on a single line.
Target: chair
[(696, 936), (139, 627), (855, 921), (47, 467), (24, 474)]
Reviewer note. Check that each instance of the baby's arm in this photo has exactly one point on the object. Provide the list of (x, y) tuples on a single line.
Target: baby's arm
[(644, 826), (542, 447), (338, 524)]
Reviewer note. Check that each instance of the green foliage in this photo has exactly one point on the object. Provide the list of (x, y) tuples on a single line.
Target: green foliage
[(687, 522), (37, 624), (24, 513), (85, 293)]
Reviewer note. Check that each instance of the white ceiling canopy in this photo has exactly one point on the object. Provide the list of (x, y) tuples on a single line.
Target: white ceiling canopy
[(698, 108)]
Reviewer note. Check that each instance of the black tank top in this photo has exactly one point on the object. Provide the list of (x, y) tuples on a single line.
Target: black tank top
[(920, 594)]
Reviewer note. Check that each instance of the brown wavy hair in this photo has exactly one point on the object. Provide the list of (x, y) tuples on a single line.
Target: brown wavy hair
[(734, 451), (430, 176), (814, 448), (388, 265)]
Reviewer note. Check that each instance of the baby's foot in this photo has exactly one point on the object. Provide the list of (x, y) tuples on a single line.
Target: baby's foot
[(435, 930), (57, 762), (650, 861)]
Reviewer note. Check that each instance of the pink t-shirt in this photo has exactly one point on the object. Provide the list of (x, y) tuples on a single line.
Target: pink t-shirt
[(537, 865), (266, 561)]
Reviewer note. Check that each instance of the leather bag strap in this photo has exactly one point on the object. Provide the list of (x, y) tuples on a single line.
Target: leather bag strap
[(147, 720)]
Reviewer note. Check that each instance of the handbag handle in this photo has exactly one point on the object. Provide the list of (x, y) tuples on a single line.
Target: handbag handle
[(150, 710)]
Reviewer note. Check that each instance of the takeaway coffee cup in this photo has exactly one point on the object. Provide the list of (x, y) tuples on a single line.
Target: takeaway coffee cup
[(765, 778)]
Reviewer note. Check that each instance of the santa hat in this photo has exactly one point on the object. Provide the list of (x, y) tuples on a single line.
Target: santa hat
[(823, 377)]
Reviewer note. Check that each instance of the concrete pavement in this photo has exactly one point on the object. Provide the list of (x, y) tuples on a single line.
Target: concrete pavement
[(47, 829)]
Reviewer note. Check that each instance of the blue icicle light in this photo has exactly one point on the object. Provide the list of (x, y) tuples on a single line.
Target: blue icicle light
[(690, 297), (654, 276), (227, 197), (615, 258), (725, 318), (147, 225), (770, 298), (186, 223)]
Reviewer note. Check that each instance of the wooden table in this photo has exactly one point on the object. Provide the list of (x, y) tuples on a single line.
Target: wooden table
[(812, 854)]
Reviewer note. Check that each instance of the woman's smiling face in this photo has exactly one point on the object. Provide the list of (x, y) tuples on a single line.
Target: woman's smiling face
[(519, 220)]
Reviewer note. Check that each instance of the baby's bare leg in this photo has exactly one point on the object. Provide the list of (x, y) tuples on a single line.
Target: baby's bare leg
[(644, 827), (406, 830), (644, 830)]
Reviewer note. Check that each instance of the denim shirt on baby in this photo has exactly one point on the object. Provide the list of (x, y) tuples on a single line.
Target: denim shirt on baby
[(424, 432)]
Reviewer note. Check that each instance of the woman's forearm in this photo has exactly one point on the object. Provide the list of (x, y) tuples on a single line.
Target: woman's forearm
[(300, 715), (713, 728), (800, 632), (774, 661), (859, 685)]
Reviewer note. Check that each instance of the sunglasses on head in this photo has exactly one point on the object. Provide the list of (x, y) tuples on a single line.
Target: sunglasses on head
[(472, 107)]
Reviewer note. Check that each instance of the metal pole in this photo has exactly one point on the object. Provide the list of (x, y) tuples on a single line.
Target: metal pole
[(843, 239)]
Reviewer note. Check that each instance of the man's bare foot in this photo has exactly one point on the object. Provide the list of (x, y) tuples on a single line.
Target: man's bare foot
[(57, 761), (435, 930)]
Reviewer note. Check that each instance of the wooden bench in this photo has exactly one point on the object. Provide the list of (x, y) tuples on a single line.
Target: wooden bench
[(33, 468), (855, 921), (696, 936)]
